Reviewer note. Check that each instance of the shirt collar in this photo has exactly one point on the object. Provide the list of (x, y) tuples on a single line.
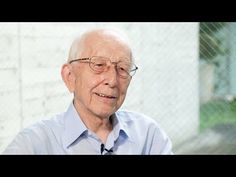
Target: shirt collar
[(120, 126), (74, 127)]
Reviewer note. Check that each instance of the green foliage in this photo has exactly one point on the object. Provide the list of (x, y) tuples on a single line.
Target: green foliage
[(210, 43), (217, 112), (211, 27)]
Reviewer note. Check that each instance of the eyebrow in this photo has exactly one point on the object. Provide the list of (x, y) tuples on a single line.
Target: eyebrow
[(78, 60)]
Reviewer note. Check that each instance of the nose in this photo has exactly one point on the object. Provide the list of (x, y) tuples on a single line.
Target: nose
[(111, 76)]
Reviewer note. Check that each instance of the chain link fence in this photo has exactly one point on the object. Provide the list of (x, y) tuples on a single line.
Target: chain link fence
[(217, 113), (185, 79)]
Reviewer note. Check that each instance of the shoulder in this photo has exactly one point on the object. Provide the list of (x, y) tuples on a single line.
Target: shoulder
[(136, 117), (36, 137), (42, 130), (45, 126), (140, 122), (146, 131), (137, 121)]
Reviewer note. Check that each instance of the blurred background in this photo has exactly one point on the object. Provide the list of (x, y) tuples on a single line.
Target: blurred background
[(185, 81)]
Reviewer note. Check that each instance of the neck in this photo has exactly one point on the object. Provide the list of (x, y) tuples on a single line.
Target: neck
[(101, 126)]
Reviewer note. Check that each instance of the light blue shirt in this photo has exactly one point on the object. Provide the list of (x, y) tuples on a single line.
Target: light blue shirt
[(132, 133)]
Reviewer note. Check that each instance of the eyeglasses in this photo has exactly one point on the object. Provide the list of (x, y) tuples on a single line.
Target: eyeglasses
[(101, 64)]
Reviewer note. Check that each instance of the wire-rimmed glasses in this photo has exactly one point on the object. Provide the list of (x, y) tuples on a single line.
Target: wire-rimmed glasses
[(100, 64)]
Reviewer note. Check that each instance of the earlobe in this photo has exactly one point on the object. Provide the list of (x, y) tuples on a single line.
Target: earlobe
[(68, 77)]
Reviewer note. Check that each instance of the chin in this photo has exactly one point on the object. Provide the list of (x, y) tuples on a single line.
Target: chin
[(106, 112)]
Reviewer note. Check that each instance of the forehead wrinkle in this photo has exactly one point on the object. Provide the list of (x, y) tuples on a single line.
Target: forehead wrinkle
[(114, 48), (90, 41)]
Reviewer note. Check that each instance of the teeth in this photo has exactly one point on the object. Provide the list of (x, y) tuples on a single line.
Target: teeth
[(102, 95)]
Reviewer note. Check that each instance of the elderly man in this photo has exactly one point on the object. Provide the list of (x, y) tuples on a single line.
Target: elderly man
[(98, 73)]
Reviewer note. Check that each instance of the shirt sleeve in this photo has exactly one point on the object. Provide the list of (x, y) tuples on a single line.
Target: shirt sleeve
[(21, 144), (161, 143)]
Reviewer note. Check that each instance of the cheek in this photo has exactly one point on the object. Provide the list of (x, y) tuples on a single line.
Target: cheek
[(124, 87), (72, 84), (84, 85)]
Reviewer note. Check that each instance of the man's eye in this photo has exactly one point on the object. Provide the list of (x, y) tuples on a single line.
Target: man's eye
[(122, 69), (99, 64)]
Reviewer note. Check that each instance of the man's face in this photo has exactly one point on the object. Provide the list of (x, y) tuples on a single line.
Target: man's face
[(100, 94)]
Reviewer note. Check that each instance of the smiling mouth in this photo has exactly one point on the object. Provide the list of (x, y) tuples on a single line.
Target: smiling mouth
[(105, 96)]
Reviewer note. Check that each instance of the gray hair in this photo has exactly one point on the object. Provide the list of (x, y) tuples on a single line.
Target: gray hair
[(78, 44)]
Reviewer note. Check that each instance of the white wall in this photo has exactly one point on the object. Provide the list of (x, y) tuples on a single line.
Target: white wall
[(165, 87)]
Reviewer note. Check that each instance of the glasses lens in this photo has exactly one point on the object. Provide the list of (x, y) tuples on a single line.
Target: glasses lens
[(133, 70), (124, 69), (98, 64)]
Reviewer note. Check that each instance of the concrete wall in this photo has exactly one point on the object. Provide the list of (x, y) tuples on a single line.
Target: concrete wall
[(165, 87)]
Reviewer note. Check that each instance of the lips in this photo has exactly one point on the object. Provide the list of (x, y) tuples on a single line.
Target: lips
[(105, 96)]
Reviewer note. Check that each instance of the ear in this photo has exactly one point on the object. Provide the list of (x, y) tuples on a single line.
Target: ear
[(68, 77)]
